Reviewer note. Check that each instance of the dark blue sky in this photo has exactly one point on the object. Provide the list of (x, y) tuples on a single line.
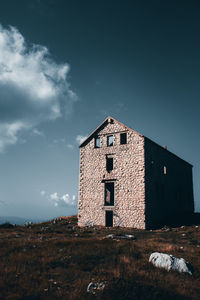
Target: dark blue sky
[(138, 61)]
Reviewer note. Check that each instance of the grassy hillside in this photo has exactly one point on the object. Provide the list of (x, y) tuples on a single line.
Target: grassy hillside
[(57, 260)]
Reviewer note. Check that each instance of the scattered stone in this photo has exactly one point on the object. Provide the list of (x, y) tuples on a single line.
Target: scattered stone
[(169, 262), (93, 287), (28, 223), (129, 236), (46, 228), (109, 236), (165, 228), (120, 237)]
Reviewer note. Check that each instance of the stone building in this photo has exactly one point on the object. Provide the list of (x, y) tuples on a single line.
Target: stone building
[(130, 181)]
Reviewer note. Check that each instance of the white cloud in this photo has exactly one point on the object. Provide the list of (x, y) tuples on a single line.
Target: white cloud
[(64, 200), (42, 193), (80, 138), (8, 133), (34, 88), (54, 197), (59, 200), (37, 132)]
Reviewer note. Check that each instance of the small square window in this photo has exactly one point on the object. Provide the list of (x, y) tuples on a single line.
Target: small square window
[(97, 142), (123, 138), (110, 140)]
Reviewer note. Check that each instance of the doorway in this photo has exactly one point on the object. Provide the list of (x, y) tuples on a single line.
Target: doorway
[(109, 218)]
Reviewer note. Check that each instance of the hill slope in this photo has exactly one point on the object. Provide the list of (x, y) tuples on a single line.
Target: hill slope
[(57, 260), (17, 220)]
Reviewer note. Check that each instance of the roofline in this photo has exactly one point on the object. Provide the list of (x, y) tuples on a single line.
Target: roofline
[(141, 135), (109, 117), (168, 151)]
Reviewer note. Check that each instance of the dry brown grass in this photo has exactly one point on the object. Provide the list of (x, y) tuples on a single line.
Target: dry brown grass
[(58, 261)]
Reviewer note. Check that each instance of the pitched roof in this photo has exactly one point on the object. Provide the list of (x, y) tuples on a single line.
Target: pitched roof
[(128, 128), (101, 125)]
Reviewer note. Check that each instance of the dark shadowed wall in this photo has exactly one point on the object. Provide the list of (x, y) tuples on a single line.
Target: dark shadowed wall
[(168, 187)]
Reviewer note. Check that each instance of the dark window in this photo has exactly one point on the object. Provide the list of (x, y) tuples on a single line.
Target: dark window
[(109, 164), (109, 194), (123, 138), (109, 218), (110, 139), (97, 142)]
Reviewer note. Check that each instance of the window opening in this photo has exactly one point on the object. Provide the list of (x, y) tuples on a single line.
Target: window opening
[(123, 138), (109, 164), (109, 218), (165, 170), (111, 121), (110, 140), (109, 194), (97, 142)]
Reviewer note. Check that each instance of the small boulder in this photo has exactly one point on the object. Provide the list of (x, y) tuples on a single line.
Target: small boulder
[(110, 236), (169, 262), (120, 237), (94, 286)]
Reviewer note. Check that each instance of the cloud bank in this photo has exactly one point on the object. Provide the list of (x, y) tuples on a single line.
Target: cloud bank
[(59, 200), (34, 88)]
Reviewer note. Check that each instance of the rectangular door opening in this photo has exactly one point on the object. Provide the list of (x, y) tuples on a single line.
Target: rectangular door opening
[(109, 218)]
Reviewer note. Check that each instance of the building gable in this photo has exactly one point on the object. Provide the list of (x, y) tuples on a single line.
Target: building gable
[(108, 126)]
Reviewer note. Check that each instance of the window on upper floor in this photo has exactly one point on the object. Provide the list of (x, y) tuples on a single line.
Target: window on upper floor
[(110, 140), (109, 164), (123, 138), (97, 142)]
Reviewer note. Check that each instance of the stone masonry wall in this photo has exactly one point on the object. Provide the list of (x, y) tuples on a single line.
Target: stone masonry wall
[(128, 176)]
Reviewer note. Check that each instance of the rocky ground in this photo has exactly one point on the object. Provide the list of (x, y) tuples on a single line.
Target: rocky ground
[(59, 260)]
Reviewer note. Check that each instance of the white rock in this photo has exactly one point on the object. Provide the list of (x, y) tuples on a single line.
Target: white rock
[(169, 262), (93, 286)]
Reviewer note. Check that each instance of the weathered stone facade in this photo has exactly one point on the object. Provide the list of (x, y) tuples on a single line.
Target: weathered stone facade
[(123, 195)]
